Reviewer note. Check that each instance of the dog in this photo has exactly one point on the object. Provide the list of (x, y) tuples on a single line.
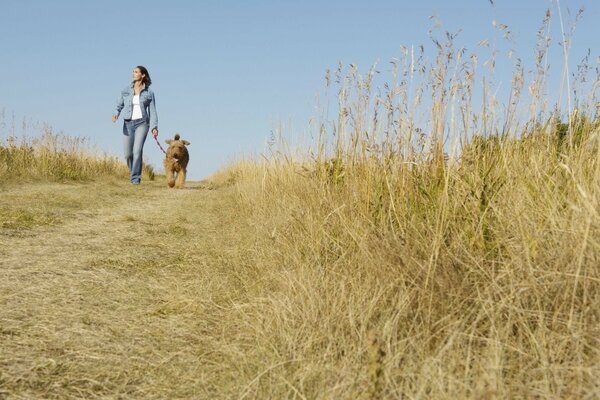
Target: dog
[(176, 161)]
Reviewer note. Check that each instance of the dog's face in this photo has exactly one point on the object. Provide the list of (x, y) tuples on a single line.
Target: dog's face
[(176, 149)]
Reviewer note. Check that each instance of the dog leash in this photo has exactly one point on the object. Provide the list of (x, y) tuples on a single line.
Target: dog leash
[(158, 143)]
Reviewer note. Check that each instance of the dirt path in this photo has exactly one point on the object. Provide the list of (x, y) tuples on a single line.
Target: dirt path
[(109, 290)]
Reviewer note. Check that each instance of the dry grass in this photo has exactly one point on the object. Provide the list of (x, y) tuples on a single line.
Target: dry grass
[(57, 157), (482, 282), (431, 245), (132, 294)]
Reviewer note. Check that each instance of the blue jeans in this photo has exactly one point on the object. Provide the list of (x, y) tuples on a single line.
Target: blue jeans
[(134, 136)]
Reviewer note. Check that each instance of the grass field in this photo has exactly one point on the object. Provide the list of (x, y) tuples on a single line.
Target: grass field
[(235, 291), (114, 291)]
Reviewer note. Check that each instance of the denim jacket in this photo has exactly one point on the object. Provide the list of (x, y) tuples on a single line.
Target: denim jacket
[(147, 104)]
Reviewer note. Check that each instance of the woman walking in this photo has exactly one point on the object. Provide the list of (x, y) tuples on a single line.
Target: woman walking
[(137, 106)]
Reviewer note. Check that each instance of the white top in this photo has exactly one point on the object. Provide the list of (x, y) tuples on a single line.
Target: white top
[(137, 111)]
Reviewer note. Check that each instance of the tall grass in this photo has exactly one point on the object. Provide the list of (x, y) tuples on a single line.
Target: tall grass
[(435, 242), (52, 156)]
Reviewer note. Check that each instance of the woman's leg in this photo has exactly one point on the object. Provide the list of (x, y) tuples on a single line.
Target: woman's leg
[(141, 131), (128, 139)]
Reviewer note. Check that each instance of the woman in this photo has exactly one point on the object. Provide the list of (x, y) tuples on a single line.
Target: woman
[(138, 108)]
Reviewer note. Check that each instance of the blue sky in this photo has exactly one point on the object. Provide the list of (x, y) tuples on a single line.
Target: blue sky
[(226, 73)]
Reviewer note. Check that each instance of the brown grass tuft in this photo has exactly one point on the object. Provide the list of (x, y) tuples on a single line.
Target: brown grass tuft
[(59, 158)]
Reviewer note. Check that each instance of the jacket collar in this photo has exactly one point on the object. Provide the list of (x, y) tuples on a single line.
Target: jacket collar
[(143, 86)]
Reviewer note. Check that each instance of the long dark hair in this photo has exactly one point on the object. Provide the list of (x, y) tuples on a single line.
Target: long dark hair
[(146, 80)]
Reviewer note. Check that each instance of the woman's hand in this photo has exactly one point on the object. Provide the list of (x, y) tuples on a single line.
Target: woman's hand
[(115, 118), (154, 132)]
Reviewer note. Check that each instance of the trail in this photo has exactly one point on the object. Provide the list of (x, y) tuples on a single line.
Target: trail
[(108, 293)]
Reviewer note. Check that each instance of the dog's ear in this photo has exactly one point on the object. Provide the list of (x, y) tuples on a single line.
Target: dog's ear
[(168, 141), (185, 142)]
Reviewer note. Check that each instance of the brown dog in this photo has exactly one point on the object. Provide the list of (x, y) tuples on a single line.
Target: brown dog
[(176, 161)]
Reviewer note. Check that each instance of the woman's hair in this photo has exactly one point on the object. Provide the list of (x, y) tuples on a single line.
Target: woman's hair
[(146, 80)]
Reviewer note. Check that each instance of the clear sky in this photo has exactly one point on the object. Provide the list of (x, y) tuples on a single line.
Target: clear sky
[(225, 73)]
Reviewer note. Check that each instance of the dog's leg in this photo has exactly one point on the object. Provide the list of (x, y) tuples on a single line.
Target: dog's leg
[(180, 179), (170, 178)]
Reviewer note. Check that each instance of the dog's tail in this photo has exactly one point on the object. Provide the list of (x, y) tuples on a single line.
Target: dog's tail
[(177, 136)]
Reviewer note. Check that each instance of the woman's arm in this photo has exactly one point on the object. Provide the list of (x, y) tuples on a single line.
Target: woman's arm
[(152, 114), (120, 104)]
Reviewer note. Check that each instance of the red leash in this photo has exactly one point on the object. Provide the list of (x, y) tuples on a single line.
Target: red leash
[(156, 140)]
